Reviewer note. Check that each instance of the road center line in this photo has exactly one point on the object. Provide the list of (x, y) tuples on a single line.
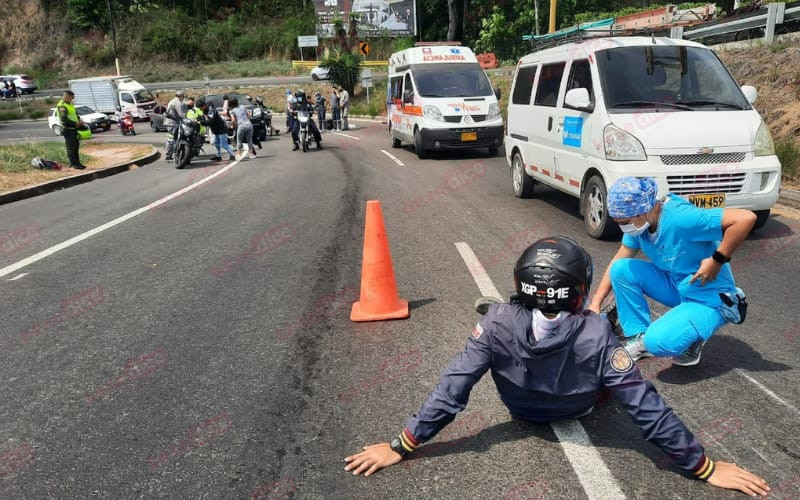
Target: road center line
[(393, 157), (108, 225), (348, 136), (767, 391), (595, 478)]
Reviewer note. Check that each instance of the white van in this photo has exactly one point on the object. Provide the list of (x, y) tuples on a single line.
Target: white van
[(584, 114), (440, 98)]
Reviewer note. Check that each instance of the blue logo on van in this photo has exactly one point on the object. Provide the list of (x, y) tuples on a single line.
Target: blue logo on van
[(573, 131), (455, 51)]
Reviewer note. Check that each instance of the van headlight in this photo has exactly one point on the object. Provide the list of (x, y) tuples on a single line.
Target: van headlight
[(763, 145), (494, 111), (622, 146), (433, 113)]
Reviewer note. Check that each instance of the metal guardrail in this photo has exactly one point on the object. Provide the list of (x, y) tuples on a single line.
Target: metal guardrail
[(707, 32), (312, 64)]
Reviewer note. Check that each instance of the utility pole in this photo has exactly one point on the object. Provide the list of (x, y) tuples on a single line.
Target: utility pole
[(536, 16), (113, 37), (552, 16)]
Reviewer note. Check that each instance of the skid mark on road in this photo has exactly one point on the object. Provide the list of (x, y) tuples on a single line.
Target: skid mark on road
[(108, 225), (767, 391), (393, 157), (595, 478)]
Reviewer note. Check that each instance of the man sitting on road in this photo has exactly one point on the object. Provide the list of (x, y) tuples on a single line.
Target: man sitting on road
[(550, 361), (688, 248)]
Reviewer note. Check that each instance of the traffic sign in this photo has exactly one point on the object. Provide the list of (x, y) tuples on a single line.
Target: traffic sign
[(364, 48), (307, 41)]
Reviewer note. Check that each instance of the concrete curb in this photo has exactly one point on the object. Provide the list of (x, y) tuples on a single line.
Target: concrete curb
[(74, 180)]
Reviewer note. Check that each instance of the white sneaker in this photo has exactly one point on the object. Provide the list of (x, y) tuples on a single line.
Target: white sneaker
[(691, 356), (636, 349)]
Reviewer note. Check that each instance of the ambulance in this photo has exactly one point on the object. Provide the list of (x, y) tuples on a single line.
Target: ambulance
[(439, 98)]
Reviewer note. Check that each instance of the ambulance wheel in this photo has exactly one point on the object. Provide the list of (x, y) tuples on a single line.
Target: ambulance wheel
[(595, 210), (395, 141), (762, 216), (421, 153), (522, 182)]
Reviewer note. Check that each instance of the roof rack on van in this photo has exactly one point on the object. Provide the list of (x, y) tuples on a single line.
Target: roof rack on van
[(429, 44)]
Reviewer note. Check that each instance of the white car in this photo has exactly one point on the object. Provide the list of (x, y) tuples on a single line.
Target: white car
[(89, 116), (24, 83), (319, 73)]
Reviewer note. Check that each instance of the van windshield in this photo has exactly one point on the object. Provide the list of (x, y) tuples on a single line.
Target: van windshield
[(670, 77), (451, 80)]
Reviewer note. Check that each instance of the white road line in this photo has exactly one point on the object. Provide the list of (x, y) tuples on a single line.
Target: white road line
[(766, 391), (108, 225), (15, 278), (348, 136), (478, 272), (594, 476), (393, 157)]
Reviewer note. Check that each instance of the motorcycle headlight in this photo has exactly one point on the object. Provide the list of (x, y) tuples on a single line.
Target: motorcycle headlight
[(433, 113), (622, 146), (763, 145), (494, 111)]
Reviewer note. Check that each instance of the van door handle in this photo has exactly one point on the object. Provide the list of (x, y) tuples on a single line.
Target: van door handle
[(549, 123)]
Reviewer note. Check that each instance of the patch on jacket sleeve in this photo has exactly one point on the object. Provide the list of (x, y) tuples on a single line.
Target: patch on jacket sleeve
[(620, 360), (477, 331)]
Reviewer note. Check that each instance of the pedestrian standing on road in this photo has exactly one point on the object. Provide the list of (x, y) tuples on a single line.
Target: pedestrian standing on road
[(69, 121), (289, 110), (220, 131), (175, 111), (689, 249), (319, 104), (243, 127), (550, 361), (336, 112), (344, 102)]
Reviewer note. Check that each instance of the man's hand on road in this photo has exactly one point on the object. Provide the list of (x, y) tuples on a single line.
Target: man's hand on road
[(732, 477), (709, 268), (374, 458)]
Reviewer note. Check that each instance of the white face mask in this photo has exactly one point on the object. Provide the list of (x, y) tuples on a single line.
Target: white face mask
[(543, 326), (633, 230)]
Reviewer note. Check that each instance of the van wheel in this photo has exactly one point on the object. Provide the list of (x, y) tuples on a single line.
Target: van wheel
[(395, 141), (523, 183), (761, 218), (421, 153), (595, 211)]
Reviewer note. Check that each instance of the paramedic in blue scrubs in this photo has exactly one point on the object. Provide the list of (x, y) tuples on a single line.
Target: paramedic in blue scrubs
[(687, 270)]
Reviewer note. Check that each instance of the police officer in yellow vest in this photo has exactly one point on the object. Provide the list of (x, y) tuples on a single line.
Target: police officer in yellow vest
[(196, 112), (70, 122)]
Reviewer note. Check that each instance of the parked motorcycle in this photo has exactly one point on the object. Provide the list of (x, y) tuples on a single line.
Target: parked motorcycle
[(126, 125), (268, 122), (188, 141)]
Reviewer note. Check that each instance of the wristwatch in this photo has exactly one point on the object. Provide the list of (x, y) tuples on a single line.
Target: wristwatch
[(397, 446), (720, 257)]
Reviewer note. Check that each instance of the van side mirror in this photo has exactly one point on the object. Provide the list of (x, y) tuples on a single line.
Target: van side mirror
[(408, 96), (750, 93), (497, 93), (578, 99)]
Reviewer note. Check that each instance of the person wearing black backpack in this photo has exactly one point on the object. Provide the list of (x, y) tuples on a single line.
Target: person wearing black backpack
[(220, 130)]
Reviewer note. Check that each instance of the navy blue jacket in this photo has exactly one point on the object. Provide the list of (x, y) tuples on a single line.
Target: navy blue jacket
[(559, 377)]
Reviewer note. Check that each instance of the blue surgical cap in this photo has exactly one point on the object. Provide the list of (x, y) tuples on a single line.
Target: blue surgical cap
[(631, 196)]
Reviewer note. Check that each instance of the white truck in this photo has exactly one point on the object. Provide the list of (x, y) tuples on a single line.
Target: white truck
[(109, 94)]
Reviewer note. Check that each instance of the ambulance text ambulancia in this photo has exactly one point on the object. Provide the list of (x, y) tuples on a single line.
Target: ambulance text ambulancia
[(440, 98)]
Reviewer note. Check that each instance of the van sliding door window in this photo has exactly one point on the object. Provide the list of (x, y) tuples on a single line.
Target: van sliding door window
[(549, 83), (396, 87), (580, 77), (523, 86)]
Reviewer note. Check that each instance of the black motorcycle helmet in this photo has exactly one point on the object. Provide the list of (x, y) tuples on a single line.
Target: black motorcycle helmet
[(301, 96), (554, 274), (259, 100)]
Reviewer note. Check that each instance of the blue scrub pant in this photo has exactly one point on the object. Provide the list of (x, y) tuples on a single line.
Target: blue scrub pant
[(675, 331)]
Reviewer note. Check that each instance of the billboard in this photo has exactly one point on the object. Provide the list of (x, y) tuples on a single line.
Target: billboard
[(393, 17)]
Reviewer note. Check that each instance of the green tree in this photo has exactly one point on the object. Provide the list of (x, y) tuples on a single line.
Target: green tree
[(344, 70)]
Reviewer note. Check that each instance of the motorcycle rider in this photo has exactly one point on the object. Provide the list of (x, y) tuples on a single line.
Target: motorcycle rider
[(197, 112), (551, 360), (174, 108), (302, 104), (319, 104)]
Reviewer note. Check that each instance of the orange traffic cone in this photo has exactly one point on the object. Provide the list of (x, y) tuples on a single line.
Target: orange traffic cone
[(379, 298)]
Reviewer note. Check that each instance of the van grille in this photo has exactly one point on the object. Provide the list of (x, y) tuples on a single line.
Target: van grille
[(702, 159), (453, 119), (479, 118), (706, 183)]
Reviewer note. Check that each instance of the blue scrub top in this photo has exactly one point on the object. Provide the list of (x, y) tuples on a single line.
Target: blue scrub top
[(686, 235)]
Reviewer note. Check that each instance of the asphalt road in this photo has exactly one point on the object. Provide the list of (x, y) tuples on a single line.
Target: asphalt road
[(201, 348)]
